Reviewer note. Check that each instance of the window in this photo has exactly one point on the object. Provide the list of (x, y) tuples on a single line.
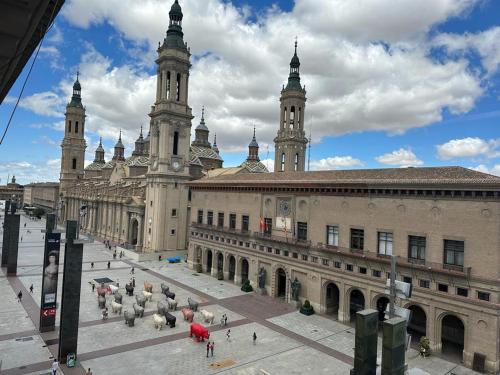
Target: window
[(362, 270), (151, 203), (301, 231), (349, 267), (407, 279), (268, 225), (200, 216), (296, 162), (454, 253), (332, 235), (176, 143), (483, 296), (178, 87), (295, 255), (304, 257), (174, 212), (314, 259), (298, 118), (172, 232), (424, 284), (443, 288), (69, 126), (210, 218), (337, 264), (282, 162), (241, 243), (168, 85), (464, 292), (76, 127), (376, 273), (235, 242), (269, 249), (285, 253), (245, 223), (247, 244), (357, 239), (385, 243), (261, 247), (325, 262), (416, 248), (232, 221), (292, 116), (277, 251), (74, 163), (220, 219)]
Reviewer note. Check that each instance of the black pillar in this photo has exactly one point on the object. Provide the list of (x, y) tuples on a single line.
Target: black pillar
[(70, 301), (5, 240), (50, 276), (365, 341), (12, 226)]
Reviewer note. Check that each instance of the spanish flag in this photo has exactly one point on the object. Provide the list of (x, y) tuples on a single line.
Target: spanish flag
[(262, 225)]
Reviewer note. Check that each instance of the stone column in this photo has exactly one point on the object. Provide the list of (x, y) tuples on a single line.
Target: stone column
[(365, 352), (225, 267), (237, 271), (393, 347)]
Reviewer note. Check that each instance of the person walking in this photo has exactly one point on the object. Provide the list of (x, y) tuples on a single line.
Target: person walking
[(225, 319), (109, 264), (212, 348), (254, 338), (21, 238), (88, 372), (228, 335), (91, 264), (31, 288), (114, 255), (93, 287), (55, 366), (208, 347), (133, 282), (19, 296), (132, 271)]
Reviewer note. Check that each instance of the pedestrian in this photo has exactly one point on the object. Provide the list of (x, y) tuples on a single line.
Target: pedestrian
[(225, 319), (254, 338), (133, 282), (88, 372), (114, 255), (109, 264), (222, 321), (21, 238), (31, 288), (159, 258), (91, 264), (25, 225), (121, 254), (228, 335), (19, 296), (212, 348), (93, 287), (43, 236), (55, 366), (208, 347), (132, 271)]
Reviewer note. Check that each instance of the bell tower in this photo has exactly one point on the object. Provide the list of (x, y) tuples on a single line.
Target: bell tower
[(290, 143), (73, 144), (166, 192)]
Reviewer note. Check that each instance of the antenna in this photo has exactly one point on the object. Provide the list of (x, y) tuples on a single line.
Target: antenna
[(310, 140)]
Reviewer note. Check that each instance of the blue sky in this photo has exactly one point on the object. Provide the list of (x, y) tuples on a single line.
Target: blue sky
[(408, 85)]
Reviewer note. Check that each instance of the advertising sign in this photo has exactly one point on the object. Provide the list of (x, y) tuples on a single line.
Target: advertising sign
[(49, 282)]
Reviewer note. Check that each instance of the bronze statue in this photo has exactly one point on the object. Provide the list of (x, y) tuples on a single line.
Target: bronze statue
[(262, 278), (295, 285)]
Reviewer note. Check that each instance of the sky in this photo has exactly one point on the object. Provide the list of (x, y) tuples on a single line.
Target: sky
[(389, 83)]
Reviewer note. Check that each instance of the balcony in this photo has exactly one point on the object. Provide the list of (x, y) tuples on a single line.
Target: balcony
[(226, 230), (286, 239)]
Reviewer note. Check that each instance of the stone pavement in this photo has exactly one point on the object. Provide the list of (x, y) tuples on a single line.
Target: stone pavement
[(287, 341)]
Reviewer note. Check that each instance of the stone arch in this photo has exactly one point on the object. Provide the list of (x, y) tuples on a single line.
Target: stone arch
[(451, 330), (220, 261), (231, 267), (417, 326), (244, 269), (209, 260), (355, 301), (330, 297), (134, 231), (278, 289)]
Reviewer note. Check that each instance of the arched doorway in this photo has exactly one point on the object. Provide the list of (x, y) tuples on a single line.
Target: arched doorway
[(220, 262), (417, 326), (452, 337), (382, 303), (232, 267), (332, 298), (209, 261), (244, 270), (134, 232), (280, 283), (356, 303)]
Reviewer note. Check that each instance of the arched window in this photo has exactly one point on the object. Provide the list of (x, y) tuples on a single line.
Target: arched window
[(176, 142), (160, 85), (69, 126), (178, 87), (292, 116), (284, 118), (282, 162), (298, 118), (76, 127), (296, 162), (168, 85), (74, 163)]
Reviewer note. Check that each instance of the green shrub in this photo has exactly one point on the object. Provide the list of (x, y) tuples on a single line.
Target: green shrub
[(38, 212), (246, 287), (424, 346), (306, 308)]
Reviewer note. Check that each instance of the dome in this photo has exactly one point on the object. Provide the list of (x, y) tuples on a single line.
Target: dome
[(175, 10), (77, 85), (295, 63)]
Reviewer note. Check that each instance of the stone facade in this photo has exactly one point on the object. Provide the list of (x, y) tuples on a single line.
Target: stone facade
[(43, 195), (339, 210)]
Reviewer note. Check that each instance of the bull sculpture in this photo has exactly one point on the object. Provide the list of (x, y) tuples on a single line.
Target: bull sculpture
[(130, 289), (170, 319), (164, 288), (161, 308), (129, 318), (147, 295), (188, 314), (116, 307), (208, 317), (172, 304), (141, 300), (101, 302), (138, 310), (199, 331), (118, 297), (148, 287), (169, 294), (159, 321), (193, 305)]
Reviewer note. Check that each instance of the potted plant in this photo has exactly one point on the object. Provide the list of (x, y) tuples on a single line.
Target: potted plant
[(424, 346), (306, 308), (220, 275), (246, 287), (199, 268)]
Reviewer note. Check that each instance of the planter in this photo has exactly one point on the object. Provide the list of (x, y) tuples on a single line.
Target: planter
[(220, 275), (246, 287), (307, 309)]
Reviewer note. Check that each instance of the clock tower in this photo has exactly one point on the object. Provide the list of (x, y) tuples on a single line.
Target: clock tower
[(166, 192)]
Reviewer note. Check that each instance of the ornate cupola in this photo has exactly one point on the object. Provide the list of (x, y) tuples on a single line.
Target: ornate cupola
[(139, 145), (174, 33), (214, 147), (253, 164), (294, 76), (119, 149), (253, 148), (99, 153), (201, 132), (76, 99)]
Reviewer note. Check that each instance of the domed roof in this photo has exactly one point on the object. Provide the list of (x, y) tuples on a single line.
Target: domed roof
[(76, 85), (119, 144), (100, 148), (176, 9), (253, 142)]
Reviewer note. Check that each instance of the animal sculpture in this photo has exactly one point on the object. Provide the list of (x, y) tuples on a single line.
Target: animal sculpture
[(138, 310), (169, 294), (208, 317), (159, 321), (148, 287), (193, 305), (170, 319), (130, 289), (164, 288), (199, 331), (188, 314), (161, 308), (141, 300), (172, 304), (116, 307), (129, 318), (101, 291), (113, 289), (118, 297), (147, 295), (101, 302)]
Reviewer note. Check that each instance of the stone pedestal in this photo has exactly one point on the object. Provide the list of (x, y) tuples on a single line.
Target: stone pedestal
[(365, 352), (262, 291), (394, 347)]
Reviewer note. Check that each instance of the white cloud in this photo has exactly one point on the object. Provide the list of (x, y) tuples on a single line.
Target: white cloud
[(239, 66), (27, 172), (47, 103), (45, 140), (335, 162), (494, 170), (402, 157), (269, 163), (469, 147)]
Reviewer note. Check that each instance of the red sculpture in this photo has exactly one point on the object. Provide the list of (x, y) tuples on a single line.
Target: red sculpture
[(199, 331), (188, 314), (101, 291)]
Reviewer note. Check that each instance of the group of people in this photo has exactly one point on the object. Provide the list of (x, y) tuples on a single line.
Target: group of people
[(211, 344), (114, 254), (55, 367)]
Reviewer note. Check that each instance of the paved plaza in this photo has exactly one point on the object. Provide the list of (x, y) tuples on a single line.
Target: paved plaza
[(287, 341)]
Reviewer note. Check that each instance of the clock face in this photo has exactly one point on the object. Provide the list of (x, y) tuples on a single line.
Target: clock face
[(285, 208), (176, 165)]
